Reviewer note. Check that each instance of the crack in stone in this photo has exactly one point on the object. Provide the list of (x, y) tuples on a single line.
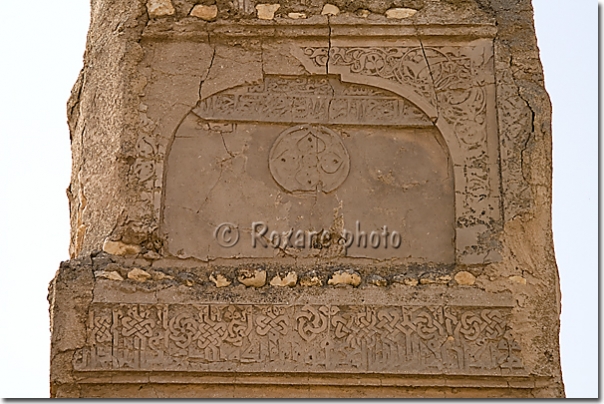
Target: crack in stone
[(226, 149), (421, 44), (328, 45), (203, 79)]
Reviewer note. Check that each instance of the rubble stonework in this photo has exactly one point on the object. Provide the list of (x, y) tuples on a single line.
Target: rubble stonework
[(346, 199)]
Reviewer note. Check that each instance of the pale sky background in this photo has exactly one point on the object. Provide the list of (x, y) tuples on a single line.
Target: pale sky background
[(41, 48)]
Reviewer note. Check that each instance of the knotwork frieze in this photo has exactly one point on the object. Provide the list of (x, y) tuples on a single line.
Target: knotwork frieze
[(399, 339)]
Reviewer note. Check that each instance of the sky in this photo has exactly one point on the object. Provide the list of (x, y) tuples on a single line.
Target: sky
[(41, 48)]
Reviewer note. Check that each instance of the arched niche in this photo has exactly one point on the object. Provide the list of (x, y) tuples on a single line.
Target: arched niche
[(309, 154)]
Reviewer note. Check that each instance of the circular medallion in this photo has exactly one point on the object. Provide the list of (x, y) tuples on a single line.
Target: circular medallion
[(309, 158)]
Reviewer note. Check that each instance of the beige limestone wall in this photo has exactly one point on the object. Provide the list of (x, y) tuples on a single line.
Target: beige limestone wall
[(470, 311)]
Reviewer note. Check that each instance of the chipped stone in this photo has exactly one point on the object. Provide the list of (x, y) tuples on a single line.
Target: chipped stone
[(427, 281), (267, 11), (377, 280), (296, 16), (152, 255), (465, 278), (330, 9), (405, 280), (220, 280), (160, 276), (288, 280), (159, 8), (518, 279), (400, 13), (252, 277), (119, 248), (363, 13), (443, 279), (139, 275), (111, 275), (310, 279), (347, 277), (206, 13)]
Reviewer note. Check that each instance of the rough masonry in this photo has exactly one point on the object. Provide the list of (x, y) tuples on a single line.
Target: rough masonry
[(309, 199)]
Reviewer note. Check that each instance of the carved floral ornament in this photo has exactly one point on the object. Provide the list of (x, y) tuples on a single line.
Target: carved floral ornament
[(307, 158)]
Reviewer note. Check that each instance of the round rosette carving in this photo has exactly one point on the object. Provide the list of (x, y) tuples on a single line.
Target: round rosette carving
[(309, 158)]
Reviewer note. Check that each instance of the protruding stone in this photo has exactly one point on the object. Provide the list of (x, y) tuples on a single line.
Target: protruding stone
[(330, 9), (206, 13), (377, 280), (220, 280), (310, 279), (363, 13), (159, 8), (296, 16), (400, 13), (518, 279), (151, 255), (427, 281), (252, 277), (119, 248), (139, 275), (288, 280), (465, 278), (404, 280), (111, 275), (443, 279), (347, 277), (267, 11), (160, 276)]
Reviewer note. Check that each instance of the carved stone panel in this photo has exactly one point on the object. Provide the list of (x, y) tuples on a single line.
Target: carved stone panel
[(309, 166), (397, 339), (454, 86)]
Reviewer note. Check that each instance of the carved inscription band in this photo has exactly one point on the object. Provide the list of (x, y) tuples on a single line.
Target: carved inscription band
[(311, 100), (300, 338)]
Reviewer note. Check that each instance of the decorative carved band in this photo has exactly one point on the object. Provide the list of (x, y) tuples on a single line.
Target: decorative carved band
[(311, 100), (398, 339)]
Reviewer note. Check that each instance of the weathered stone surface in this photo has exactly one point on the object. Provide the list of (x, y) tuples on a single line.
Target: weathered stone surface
[(288, 280), (330, 9), (267, 11), (220, 280), (346, 277), (400, 13), (111, 275), (139, 275), (309, 200), (377, 280), (159, 275), (252, 277), (207, 13), (296, 16), (119, 248), (465, 278), (160, 8), (518, 279), (311, 279)]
